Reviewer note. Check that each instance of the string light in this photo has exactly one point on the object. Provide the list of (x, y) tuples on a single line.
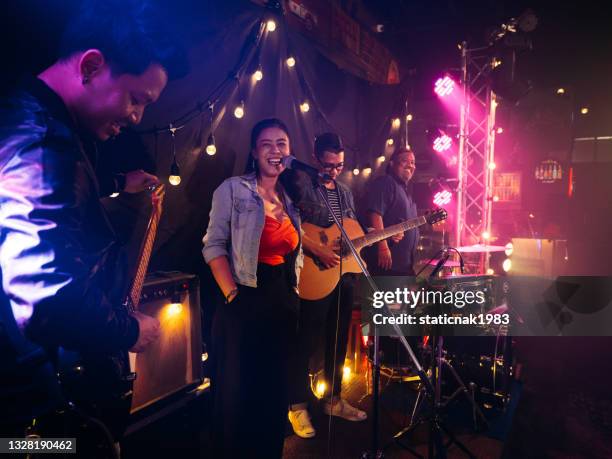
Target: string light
[(409, 117), (258, 75), (239, 110), (561, 91), (381, 159), (114, 195), (271, 25), (211, 148), (356, 171), (389, 141), (584, 110), (304, 107), (175, 173), (290, 61), (395, 123), (367, 170)]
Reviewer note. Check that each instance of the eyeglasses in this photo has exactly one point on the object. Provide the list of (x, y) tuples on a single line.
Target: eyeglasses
[(330, 166)]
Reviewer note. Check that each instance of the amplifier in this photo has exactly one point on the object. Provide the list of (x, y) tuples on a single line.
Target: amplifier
[(174, 361)]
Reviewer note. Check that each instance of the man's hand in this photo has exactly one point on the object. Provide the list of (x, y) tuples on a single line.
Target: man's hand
[(149, 331), (137, 181), (384, 256), (327, 256), (397, 237)]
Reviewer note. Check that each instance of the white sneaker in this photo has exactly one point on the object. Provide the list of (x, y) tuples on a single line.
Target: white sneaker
[(343, 409), (300, 421)]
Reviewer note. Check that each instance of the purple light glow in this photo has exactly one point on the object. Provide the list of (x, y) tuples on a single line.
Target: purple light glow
[(442, 198), (442, 143), (444, 86)]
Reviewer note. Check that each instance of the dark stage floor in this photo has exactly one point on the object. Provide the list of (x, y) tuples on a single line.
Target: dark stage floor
[(185, 432), (560, 409)]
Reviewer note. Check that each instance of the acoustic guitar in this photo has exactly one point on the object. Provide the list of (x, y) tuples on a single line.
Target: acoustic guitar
[(317, 282)]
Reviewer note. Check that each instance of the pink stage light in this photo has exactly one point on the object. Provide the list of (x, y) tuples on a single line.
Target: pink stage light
[(442, 198), (442, 143), (444, 86)]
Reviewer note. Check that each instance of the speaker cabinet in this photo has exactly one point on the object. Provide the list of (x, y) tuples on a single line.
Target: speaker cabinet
[(174, 361)]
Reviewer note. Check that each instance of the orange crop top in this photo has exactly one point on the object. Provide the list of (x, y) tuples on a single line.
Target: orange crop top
[(277, 240)]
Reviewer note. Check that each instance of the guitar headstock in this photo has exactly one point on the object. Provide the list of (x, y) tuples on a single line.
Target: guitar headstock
[(157, 196), (435, 216)]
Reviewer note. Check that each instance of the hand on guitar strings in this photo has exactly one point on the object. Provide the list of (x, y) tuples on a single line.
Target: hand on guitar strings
[(328, 256), (148, 331)]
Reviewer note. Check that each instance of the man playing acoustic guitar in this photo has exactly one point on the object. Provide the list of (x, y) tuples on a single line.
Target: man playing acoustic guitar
[(329, 316)]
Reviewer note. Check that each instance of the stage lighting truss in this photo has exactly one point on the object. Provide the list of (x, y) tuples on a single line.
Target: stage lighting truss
[(476, 149)]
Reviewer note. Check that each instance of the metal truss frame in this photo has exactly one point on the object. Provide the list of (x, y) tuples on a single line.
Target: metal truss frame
[(476, 149)]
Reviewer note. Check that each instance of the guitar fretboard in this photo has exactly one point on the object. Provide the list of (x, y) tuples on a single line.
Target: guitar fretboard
[(378, 235), (145, 252)]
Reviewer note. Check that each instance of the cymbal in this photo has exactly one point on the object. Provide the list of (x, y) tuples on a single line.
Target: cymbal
[(448, 264), (481, 248)]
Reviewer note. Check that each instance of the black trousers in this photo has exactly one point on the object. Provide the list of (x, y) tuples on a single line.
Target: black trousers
[(317, 326), (253, 341)]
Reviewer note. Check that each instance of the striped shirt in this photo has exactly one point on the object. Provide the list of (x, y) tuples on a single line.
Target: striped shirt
[(334, 201)]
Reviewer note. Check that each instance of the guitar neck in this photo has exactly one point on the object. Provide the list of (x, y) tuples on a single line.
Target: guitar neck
[(145, 255), (378, 235)]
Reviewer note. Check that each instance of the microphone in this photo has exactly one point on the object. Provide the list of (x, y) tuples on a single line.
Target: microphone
[(290, 162)]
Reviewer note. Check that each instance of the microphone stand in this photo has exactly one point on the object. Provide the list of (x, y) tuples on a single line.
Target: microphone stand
[(374, 452)]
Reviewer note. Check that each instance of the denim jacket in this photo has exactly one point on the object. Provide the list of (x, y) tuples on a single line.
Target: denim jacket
[(235, 226)]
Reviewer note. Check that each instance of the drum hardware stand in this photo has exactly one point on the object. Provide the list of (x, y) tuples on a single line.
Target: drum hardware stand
[(375, 452), (436, 446)]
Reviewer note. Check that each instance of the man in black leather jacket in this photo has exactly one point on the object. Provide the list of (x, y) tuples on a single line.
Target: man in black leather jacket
[(56, 243)]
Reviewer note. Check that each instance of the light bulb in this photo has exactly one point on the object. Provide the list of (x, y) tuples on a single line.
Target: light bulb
[(211, 148), (304, 107), (291, 61), (239, 110), (271, 25), (175, 174)]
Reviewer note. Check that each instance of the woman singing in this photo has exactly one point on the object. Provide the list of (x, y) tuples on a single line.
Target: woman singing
[(253, 247)]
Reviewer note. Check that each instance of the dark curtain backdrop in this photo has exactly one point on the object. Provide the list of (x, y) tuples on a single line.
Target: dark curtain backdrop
[(359, 111)]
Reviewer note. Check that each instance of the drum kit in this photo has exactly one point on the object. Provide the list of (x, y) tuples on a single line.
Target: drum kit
[(477, 367)]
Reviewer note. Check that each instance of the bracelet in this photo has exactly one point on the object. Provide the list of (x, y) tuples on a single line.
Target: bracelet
[(234, 292)]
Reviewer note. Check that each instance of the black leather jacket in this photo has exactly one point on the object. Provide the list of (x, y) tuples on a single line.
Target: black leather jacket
[(55, 239)]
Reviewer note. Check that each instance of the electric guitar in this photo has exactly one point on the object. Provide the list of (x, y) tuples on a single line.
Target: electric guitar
[(91, 382), (317, 282)]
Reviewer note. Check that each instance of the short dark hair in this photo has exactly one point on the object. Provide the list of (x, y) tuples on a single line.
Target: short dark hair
[(256, 132), (327, 141), (131, 34), (398, 151)]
